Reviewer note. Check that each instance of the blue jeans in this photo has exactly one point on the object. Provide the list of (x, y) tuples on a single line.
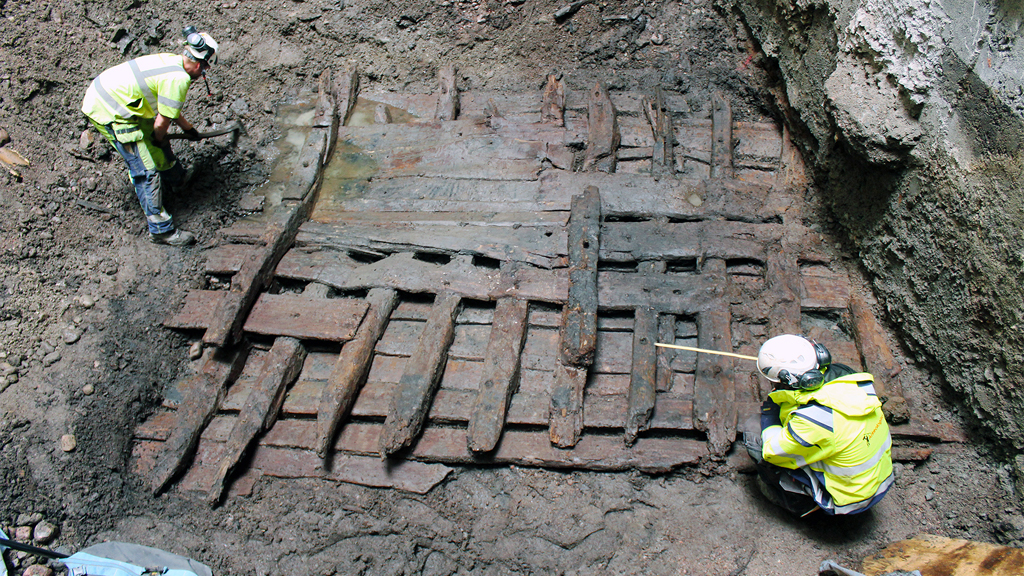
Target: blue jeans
[(148, 182)]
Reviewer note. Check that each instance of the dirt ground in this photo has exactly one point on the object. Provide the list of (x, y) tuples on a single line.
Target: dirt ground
[(82, 351)]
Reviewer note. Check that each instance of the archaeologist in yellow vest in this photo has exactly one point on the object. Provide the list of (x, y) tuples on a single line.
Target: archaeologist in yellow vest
[(133, 104), (824, 441)]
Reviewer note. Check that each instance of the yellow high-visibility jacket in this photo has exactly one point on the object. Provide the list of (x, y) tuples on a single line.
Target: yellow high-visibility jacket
[(138, 90), (838, 436)]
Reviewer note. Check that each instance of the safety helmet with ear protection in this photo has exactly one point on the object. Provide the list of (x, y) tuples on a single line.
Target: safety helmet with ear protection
[(200, 45), (793, 361)]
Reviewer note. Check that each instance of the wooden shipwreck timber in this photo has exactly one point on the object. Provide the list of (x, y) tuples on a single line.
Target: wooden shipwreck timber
[(491, 289)]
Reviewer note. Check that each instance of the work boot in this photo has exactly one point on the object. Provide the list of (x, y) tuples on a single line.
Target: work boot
[(175, 238)]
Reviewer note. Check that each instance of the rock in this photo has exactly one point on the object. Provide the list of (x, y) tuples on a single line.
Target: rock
[(38, 570), (6, 369), (88, 389), (87, 301), (23, 534), (11, 379), (44, 532), (86, 140), (240, 107), (218, 118), (896, 410), (195, 351), (29, 519), (51, 358), (68, 442), (71, 335), (4, 137)]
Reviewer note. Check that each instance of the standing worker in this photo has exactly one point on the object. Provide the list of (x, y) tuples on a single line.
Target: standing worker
[(133, 104), (824, 441)]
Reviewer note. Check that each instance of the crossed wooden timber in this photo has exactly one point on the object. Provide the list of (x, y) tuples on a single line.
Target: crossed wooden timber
[(480, 302)]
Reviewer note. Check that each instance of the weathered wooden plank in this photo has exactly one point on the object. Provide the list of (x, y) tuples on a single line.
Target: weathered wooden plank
[(261, 408), (662, 159), (713, 392), (824, 289), (642, 382), (419, 381), (552, 110), (501, 374), (784, 288), (933, 554), (721, 141), (565, 417), (540, 244), (603, 134), (332, 319), (654, 240), (351, 368), (416, 477), (196, 311), (579, 318), (448, 95), (226, 258), (202, 394), (616, 291), (873, 348), (450, 219), (526, 448)]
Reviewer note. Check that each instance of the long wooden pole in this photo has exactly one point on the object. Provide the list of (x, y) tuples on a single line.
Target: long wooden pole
[(692, 349)]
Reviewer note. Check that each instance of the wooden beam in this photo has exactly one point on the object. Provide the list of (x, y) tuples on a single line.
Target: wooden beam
[(603, 132), (500, 374), (422, 374), (782, 272), (713, 387), (721, 139), (261, 409), (870, 337), (565, 416), (552, 110), (333, 320), (201, 397), (351, 368), (642, 382), (660, 118), (257, 269), (579, 318), (448, 97)]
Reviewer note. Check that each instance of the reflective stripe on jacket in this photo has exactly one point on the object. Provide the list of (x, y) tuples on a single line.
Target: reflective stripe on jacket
[(837, 434), (138, 89)]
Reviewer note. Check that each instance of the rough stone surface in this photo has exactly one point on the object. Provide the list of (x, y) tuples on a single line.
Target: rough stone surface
[(910, 112)]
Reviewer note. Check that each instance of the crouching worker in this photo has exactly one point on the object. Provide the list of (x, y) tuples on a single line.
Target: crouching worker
[(824, 441), (133, 104)]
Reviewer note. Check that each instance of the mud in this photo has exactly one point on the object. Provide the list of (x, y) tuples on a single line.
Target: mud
[(84, 292)]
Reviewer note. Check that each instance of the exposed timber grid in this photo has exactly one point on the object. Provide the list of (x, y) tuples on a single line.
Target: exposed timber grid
[(482, 278)]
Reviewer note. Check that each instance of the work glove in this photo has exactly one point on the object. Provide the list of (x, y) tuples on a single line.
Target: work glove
[(771, 414), (192, 134)]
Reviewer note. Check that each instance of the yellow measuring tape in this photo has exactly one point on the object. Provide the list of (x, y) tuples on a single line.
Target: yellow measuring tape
[(692, 349)]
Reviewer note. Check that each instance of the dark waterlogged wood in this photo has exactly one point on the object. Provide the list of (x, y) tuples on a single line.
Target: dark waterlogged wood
[(552, 109), (333, 320), (256, 271), (351, 368), (603, 133), (660, 117), (721, 139), (261, 409), (782, 272), (643, 379), (579, 318), (565, 417), (500, 374), (713, 387), (201, 397), (422, 374), (448, 96)]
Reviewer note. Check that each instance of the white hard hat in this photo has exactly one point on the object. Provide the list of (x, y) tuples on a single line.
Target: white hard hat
[(202, 47), (794, 354)]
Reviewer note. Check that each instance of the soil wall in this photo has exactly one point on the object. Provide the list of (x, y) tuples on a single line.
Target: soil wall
[(910, 112)]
